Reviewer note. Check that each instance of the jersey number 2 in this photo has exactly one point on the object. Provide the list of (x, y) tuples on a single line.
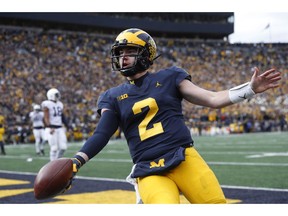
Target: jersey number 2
[(153, 109)]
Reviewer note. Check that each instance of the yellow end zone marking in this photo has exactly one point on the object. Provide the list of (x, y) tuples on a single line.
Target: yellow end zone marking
[(109, 197), (103, 197), (9, 192), (233, 201), (5, 182), (183, 200)]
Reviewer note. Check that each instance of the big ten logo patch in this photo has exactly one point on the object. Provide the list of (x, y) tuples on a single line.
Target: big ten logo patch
[(122, 97)]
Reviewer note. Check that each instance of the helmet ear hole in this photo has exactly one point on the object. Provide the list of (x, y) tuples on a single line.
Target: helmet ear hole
[(144, 62)]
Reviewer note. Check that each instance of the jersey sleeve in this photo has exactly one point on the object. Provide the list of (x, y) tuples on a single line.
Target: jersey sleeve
[(105, 101), (181, 75), (44, 104)]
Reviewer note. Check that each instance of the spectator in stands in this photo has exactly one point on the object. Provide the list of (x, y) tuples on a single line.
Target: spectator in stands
[(15, 135), (282, 122), (43, 55), (147, 107), (2, 132)]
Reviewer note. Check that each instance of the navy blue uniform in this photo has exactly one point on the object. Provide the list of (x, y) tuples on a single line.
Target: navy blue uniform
[(150, 114)]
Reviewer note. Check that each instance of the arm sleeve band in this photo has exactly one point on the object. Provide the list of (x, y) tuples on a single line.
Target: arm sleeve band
[(241, 92), (106, 127)]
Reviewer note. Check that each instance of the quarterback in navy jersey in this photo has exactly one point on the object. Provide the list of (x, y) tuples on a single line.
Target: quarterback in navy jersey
[(153, 102), (148, 109)]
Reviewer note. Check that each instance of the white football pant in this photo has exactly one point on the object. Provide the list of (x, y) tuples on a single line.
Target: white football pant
[(57, 142), (39, 135)]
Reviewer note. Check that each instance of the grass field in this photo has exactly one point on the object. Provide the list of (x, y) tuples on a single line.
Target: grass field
[(258, 160)]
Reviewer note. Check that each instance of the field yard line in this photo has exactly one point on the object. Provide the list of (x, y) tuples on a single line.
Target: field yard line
[(213, 163), (45, 158), (234, 152), (123, 180), (18, 173), (129, 161)]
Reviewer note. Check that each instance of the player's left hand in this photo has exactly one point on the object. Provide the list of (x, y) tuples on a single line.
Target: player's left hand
[(267, 80)]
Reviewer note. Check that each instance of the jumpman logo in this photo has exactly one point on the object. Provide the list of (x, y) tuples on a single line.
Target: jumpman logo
[(244, 97), (158, 84)]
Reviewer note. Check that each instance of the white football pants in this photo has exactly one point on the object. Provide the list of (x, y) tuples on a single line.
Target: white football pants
[(39, 135), (57, 142)]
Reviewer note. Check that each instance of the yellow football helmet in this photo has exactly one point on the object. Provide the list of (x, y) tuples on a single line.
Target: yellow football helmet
[(139, 39)]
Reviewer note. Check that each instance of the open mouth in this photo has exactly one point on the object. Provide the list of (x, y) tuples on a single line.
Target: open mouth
[(125, 65)]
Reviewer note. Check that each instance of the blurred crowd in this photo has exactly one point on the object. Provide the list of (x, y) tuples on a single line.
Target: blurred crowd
[(33, 60)]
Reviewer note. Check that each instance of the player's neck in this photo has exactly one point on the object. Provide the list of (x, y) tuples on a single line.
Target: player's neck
[(138, 82), (137, 76)]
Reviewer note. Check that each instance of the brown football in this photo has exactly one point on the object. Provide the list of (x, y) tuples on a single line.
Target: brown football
[(53, 178)]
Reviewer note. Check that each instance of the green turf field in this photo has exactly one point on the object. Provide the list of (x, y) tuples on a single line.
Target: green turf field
[(253, 160)]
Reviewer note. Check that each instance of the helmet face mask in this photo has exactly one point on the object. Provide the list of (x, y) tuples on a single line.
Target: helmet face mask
[(141, 62), (53, 94), (146, 51)]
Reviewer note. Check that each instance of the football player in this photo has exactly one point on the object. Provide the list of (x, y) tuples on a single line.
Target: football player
[(54, 119), (37, 119), (148, 109)]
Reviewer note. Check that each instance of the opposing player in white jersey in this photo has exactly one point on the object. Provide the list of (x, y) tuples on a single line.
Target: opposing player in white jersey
[(54, 119), (37, 119)]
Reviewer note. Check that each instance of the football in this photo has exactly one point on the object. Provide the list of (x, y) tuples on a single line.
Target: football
[(53, 178)]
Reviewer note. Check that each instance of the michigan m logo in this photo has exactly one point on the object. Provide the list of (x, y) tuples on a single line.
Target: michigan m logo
[(159, 164)]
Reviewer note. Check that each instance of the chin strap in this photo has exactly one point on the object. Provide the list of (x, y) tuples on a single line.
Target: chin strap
[(156, 57)]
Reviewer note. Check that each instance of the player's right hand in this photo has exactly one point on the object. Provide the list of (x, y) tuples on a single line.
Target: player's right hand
[(76, 166)]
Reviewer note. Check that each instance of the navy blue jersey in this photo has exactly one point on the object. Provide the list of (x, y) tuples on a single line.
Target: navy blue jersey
[(150, 114)]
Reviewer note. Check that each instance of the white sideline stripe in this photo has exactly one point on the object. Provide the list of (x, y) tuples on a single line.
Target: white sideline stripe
[(130, 161), (18, 173), (254, 188), (122, 180), (25, 157), (101, 179), (77, 177), (248, 164)]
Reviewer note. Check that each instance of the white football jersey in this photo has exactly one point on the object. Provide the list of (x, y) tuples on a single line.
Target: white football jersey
[(37, 118), (55, 111)]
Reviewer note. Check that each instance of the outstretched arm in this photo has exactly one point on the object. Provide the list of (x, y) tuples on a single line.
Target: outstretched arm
[(259, 83), (106, 127)]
